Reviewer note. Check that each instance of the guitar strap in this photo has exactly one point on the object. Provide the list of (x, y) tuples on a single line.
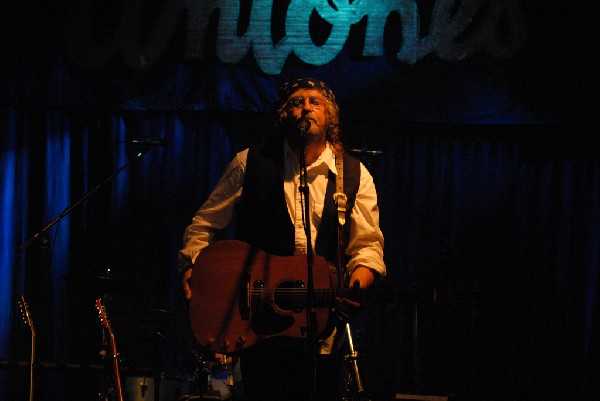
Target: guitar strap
[(340, 199)]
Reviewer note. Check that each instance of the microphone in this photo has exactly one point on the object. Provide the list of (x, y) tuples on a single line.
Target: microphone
[(147, 142), (303, 125)]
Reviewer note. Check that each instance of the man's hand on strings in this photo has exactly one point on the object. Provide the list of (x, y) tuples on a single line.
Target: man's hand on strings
[(362, 277)]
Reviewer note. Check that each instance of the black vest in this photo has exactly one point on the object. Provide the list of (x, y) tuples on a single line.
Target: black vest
[(263, 219)]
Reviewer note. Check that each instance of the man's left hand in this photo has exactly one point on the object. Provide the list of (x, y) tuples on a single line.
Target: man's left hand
[(362, 277)]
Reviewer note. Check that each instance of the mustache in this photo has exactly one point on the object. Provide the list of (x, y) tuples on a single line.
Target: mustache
[(302, 119), (305, 118), (292, 125)]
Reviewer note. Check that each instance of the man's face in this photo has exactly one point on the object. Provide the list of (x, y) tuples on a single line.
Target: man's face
[(310, 105)]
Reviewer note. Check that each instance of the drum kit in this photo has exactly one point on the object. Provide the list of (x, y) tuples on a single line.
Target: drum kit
[(211, 380)]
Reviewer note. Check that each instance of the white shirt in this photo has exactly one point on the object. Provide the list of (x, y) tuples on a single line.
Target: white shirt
[(365, 245)]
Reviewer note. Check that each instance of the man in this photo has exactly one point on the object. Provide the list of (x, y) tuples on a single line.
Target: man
[(261, 189)]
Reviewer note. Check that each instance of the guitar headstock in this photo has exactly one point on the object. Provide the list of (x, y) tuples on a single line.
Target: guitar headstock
[(103, 314), (26, 314)]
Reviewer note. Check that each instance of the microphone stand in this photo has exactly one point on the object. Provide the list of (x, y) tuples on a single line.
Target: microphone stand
[(69, 209), (310, 292)]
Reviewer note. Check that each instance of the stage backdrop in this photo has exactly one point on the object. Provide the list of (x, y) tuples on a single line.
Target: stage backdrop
[(475, 117), (475, 61)]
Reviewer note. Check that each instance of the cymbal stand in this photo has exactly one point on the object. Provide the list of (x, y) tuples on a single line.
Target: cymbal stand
[(203, 374), (353, 383)]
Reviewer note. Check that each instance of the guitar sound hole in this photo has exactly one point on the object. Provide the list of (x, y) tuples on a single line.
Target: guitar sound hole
[(289, 296)]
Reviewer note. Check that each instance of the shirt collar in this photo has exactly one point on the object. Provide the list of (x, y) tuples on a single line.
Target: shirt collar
[(326, 157)]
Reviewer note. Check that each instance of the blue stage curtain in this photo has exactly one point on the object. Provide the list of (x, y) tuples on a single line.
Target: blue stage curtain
[(14, 219)]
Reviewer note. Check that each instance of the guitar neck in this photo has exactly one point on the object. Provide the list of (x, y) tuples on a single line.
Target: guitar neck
[(370, 295), (27, 319), (118, 393), (31, 365), (325, 297), (116, 373)]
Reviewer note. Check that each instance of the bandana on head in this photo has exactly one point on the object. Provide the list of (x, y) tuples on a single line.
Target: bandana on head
[(288, 88)]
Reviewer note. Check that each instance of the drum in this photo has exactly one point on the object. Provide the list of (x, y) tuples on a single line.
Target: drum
[(220, 379)]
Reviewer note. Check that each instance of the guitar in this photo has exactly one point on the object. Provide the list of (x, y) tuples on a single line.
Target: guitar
[(242, 295), (29, 322), (118, 393)]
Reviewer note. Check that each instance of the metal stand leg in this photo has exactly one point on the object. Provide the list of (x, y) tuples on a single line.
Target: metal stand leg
[(354, 382)]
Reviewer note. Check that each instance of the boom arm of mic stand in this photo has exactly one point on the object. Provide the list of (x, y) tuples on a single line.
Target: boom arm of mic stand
[(69, 209)]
